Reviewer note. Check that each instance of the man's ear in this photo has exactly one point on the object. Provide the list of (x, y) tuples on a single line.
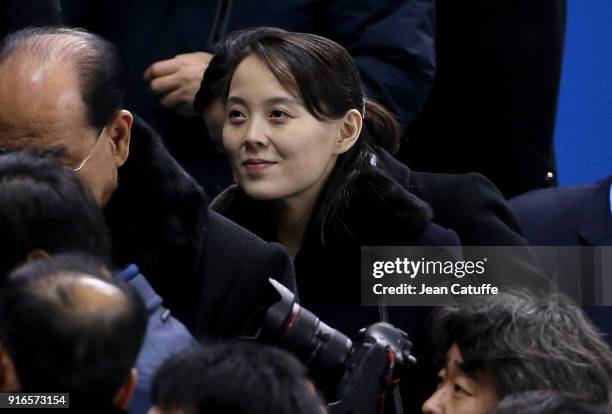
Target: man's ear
[(119, 130), (348, 133), (125, 393), (8, 374)]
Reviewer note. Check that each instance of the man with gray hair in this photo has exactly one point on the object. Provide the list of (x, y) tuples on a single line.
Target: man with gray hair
[(505, 344), (62, 89)]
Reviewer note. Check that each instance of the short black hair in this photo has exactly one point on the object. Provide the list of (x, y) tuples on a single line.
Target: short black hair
[(235, 378), (528, 343), (59, 339), (102, 75), (545, 402), (44, 205)]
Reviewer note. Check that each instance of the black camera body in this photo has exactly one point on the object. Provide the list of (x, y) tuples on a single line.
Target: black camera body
[(355, 376)]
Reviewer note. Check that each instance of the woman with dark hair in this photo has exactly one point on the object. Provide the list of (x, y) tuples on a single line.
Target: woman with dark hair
[(302, 140)]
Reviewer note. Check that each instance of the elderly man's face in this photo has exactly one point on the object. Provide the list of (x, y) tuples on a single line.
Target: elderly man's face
[(42, 108)]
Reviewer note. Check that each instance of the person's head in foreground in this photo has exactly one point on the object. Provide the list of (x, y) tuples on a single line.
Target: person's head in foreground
[(67, 327), (545, 402), (45, 210), (62, 89), (234, 378), (504, 344)]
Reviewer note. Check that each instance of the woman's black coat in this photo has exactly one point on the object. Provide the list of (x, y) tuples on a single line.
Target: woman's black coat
[(328, 275)]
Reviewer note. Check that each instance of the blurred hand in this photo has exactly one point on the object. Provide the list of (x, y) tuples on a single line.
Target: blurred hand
[(177, 80)]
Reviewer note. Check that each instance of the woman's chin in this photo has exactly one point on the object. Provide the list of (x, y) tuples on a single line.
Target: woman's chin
[(261, 193)]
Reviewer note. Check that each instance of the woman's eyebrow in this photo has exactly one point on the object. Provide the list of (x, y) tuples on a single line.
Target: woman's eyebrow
[(282, 100), (236, 99), (272, 100)]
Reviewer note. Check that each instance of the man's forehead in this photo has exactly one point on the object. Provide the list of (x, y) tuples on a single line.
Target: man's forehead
[(53, 85), (38, 106)]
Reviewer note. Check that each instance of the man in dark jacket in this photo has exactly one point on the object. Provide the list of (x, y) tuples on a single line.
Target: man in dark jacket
[(390, 40), (61, 89)]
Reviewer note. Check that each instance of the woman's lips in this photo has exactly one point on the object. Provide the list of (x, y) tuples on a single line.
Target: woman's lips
[(256, 165)]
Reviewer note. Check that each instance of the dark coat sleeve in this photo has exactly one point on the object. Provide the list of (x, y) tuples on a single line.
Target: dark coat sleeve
[(17, 14), (240, 263), (392, 42)]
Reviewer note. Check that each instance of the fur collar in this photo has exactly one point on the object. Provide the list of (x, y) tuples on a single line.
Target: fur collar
[(158, 214), (377, 210)]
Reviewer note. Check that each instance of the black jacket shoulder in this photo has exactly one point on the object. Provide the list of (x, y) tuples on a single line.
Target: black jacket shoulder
[(467, 203)]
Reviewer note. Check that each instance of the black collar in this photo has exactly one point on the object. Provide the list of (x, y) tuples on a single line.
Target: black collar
[(158, 214)]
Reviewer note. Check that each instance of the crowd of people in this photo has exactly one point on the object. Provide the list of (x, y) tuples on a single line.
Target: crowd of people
[(129, 280)]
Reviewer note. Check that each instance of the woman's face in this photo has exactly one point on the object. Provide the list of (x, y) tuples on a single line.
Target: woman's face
[(278, 150)]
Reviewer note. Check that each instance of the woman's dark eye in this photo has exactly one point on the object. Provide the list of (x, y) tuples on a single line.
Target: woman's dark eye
[(235, 117), (277, 114), (458, 389)]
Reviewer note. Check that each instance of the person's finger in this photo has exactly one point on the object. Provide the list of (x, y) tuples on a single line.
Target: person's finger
[(162, 68), (172, 100), (164, 84)]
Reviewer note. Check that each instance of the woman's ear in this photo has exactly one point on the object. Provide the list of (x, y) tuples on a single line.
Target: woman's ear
[(349, 131)]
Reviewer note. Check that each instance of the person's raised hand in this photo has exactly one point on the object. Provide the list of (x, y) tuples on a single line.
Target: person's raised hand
[(176, 81)]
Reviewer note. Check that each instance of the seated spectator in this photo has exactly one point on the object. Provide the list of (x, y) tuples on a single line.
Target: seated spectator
[(70, 331), (544, 402), (507, 344), (301, 137), (236, 378), (45, 210)]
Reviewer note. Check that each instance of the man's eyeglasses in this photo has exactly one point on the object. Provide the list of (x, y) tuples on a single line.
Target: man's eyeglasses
[(82, 163)]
